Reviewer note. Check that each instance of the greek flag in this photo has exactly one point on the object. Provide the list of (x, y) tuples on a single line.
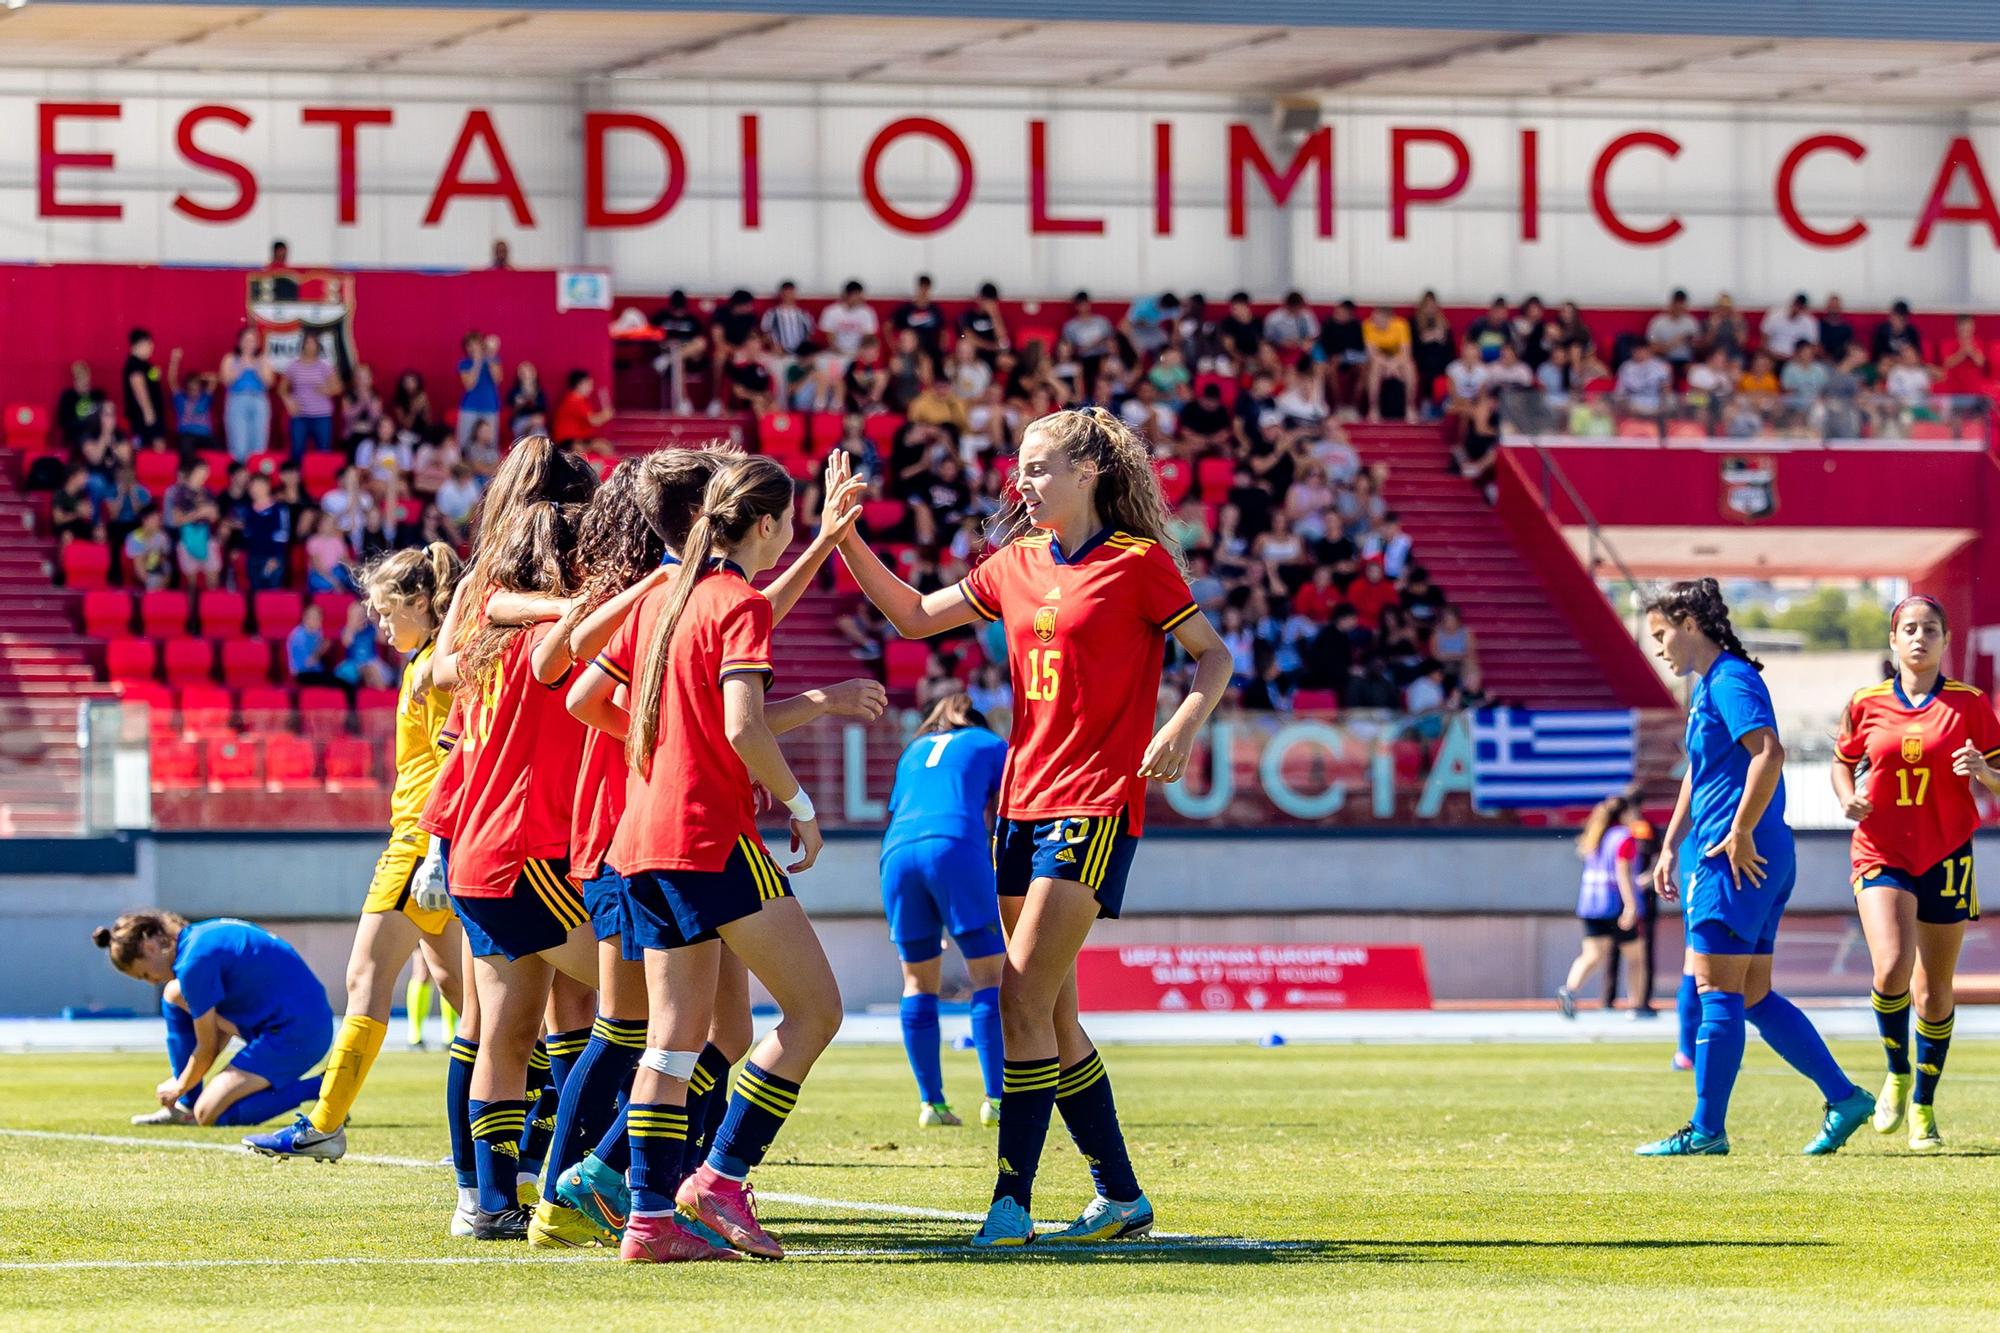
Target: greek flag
[(1537, 760)]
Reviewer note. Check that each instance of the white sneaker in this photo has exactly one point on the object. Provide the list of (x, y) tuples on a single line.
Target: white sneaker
[(166, 1115)]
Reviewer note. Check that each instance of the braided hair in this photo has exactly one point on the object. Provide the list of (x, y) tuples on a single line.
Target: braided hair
[(1700, 601)]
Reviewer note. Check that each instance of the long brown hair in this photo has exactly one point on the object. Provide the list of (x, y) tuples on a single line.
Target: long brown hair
[(736, 497), (1607, 812), (1700, 601), (954, 712), (428, 576), (1127, 495), (536, 554), (643, 510), (534, 469), (125, 937)]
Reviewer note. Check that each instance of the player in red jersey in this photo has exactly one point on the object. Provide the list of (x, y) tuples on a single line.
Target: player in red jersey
[(1089, 589), (1910, 749)]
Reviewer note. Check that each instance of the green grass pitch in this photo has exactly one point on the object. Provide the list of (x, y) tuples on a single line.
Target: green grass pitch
[(1368, 1187)]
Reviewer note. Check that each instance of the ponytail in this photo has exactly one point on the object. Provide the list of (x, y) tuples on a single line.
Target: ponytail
[(1127, 495), (427, 577), (1699, 601), (736, 497), (536, 555), (1606, 813), (954, 712)]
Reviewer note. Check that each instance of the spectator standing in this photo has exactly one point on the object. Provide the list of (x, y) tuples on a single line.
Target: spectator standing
[(922, 319), (83, 412), (503, 258), (1836, 334), (1785, 327), (1672, 333), (145, 391), (194, 405), (582, 413), (479, 375), (849, 322), (309, 387), (528, 405)]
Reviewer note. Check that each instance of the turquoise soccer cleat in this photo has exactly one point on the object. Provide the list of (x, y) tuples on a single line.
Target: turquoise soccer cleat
[(1007, 1224), (596, 1191), (1104, 1220), (1687, 1141), (300, 1139), (1843, 1118)]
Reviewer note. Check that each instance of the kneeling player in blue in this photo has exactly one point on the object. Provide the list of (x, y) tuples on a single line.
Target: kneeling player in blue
[(220, 979), (1732, 805), (937, 877)]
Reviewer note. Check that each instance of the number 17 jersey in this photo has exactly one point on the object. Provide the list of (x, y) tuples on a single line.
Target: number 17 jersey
[(1086, 636), (1923, 811)]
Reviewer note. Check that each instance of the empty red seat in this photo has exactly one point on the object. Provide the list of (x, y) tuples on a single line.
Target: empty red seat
[(188, 661), (1214, 476), (782, 433), (176, 763), (1316, 701), (824, 429), (246, 662), (234, 764), (155, 698), (157, 469), (323, 712), (219, 462), (164, 614), (107, 613), (289, 762), (1686, 430), (320, 473), (266, 708), (131, 659), (882, 428), (278, 611), (86, 565), (1176, 479), (350, 764), (25, 424), (333, 611), (222, 613), (903, 663), (206, 712), (1638, 428), (883, 516)]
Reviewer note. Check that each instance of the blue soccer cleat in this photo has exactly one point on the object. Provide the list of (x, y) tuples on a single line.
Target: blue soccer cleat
[(1843, 1118), (300, 1139), (1007, 1224), (1687, 1141), (1103, 1220), (596, 1191)]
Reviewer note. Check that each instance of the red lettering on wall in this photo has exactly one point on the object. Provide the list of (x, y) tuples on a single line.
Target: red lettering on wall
[(911, 223), (246, 181), (1315, 153), (478, 128), (1600, 192), (49, 161), (347, 120), (1402, 194), (1960, 157), (1039, 221), (753, 176), (1531, 185), (1163, 178), (1788, 208), (597, 211)]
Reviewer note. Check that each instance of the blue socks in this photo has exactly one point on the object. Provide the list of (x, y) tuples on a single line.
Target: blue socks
[(757, 1111), (659, 1144), (496, 1152), (1718, 1054), (1687, 1007), (986, 1038), (1933, 1044), (920, 1043), (271, 1102), (590, 1091), (707, 1099), (1791, 1034), (1028, 1100), (180, 1043), (543, 1095), (458, 1110), (1083, 1095)]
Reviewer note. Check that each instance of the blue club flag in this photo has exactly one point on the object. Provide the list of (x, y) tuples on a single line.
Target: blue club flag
[(1525, 760)]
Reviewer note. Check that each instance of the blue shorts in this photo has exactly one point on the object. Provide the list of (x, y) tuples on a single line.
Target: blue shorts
[(284, 1054), (540, 913), (1092, 850), (671, 909), (1946, 894), (935, 885), (1723, 919), (604, 899)]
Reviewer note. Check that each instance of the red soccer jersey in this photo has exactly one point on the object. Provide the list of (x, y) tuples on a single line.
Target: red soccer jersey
[(600, 803), (1923, 811), (689, 810), (520, 754), (440, 816), (1086, 635)]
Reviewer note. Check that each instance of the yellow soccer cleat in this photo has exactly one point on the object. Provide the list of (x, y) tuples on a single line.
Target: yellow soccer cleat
[(1891, 1106), (989, 1113), (527, 1190), (1924, 1136), (555, 1227)]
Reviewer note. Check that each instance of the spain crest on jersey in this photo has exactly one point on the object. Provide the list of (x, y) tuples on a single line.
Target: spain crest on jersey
[(1913, 747), (1045, 623)]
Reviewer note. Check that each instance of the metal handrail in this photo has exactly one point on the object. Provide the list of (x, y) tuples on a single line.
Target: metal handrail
[(1598, 542)]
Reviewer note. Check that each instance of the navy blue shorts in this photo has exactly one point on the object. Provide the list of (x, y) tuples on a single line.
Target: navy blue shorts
[(1092, 850), (935, 886), (671, 909), (283, 1054), (604, 899), (1946, 894), (540, 914)]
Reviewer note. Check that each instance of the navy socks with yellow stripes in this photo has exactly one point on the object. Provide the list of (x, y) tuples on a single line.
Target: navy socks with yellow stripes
[(1933, 1044), (496, 1151), (658, 1132), (1027, 1099), (757, 1111), (544, 1091), (458, 1109), (706, 1102), (1892, 1020), (589, 1101), (1083, 1095)]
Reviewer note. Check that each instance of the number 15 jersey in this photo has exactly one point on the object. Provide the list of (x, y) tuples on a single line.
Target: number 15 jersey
[(1086, 636)]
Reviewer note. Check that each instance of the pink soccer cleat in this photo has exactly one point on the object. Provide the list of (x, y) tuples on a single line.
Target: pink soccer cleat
[(661, 1239), (727, 1208)]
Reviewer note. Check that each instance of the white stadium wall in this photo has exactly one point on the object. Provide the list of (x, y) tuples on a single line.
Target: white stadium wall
[(1620, 203)]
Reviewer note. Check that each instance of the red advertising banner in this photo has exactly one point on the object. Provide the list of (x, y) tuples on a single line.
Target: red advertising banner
[(1220, 978)]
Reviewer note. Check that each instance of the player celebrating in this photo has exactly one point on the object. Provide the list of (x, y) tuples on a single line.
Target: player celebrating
[(1088, 589), (1732, 805), (408, 593), (221, 979), (937, 876), (1914, 822)]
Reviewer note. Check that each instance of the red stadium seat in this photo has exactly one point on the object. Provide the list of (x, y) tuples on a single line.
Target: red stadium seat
[(881, 517), (844, 581), (246, 662), (157, 470), (322, 712), (1686, 430), (206, 712), (824, 429), (321, 473), (1004, 467), (86, 565), (1316, 701), (107, 614), (333, 611), (235, 764), (1929, 430), (219, 462), (882, 428), (155, 698), (132, 659), (1048, 338), (782, 433), (266, 463), (278, 611), (1215, 476), (222, 613), (188, 661), (903, 663), (350, 765), (176, 763), (289, 762), (1637, 428), (25, 424), (371, 700), (266, 708), (1176, 479), (1224, 384), (164, 614)]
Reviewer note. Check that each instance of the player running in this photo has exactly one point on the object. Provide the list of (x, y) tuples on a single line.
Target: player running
[(1910, 749), (408, 592), (1088, 589), (937, 877), (221, 979), (1732, 808)]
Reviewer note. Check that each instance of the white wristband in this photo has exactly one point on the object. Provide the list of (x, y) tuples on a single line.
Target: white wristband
[(801, 806)]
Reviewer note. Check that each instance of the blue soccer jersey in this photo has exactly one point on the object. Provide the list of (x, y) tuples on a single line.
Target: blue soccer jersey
[(247, 975), (1729, 702), (944, 783)]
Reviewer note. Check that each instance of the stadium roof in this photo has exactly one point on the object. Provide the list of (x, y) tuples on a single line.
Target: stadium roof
[(1822, 50)]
